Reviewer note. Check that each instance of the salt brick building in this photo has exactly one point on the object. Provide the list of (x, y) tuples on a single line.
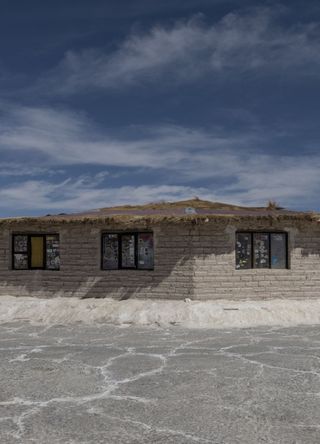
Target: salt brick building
[(190, 249)]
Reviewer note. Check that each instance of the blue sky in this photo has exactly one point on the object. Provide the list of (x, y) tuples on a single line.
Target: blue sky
[(111, 102)]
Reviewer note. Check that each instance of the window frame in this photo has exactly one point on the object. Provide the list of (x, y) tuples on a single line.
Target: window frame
[(28, 253), (269, 233), (136, 254)]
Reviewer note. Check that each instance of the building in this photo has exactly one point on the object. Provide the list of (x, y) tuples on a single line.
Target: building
[(189, 249)]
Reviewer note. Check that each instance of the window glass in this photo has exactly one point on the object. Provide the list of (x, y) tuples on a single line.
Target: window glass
[(243, 250), (145, 250), (20, 261), (110, 252), (278, 250), (270, 250), (52, 252), (36, 251), (128, 251), (20, 244), (261, 250)]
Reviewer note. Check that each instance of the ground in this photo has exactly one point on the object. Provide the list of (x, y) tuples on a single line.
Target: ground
[(112, 385)]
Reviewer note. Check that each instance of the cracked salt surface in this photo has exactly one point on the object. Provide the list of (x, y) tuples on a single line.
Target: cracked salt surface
[(80, 383)]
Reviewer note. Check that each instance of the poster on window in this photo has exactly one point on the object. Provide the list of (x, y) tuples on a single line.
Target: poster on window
[(52, 252), (20, 244), (278, 250), (110, 252), (243, 251), (261, 250), (145, 250), (128, 251), (20, 261)]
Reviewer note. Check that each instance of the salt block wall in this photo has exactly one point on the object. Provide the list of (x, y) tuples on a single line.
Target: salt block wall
[(81, 275), (194, 261), (215, 275)]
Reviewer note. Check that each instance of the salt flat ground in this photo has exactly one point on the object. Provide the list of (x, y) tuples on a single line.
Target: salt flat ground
[(106, 384)]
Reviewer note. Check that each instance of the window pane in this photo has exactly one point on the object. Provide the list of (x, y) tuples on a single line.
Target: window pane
[(145, 250), (128, 251), (52, 252), (20, 261), (20, 244), (37, 252), (261, 250), (110, 252), (278, 250), (243, 250)]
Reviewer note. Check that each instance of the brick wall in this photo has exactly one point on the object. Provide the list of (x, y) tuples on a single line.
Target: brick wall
[(195, 261)]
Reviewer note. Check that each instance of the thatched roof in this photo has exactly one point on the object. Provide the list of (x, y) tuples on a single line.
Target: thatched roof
[(196, 210)]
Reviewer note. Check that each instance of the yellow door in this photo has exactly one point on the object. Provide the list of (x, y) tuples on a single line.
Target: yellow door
[(37, 250)]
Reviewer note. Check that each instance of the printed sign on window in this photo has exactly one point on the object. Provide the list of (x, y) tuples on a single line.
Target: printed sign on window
[(128, 251), (110, 249), (52, 252), (20, 244), (20, 261), (261, 250), (145, 250), (243, 250)]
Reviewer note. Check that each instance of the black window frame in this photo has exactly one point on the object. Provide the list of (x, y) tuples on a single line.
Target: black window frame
[(28, 253), (269, 233), (120, 234)]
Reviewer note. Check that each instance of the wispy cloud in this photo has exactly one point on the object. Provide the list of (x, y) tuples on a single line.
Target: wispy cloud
[(66, 138), (16, 169), (80, 194), (293, 188), (233, 167), (190, 49)]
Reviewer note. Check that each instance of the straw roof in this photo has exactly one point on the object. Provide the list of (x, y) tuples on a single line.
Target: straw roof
[(195, 210)]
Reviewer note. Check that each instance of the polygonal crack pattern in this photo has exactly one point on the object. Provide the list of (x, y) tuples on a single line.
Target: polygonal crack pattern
[(107, 384)]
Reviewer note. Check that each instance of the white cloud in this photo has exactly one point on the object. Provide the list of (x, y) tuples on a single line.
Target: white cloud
[(233, 167), (10, 169), (86, 193), (296, 186), (190, 49), (65, 138)]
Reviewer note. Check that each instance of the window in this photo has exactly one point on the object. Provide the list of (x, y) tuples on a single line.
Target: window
[(35, 251), (127, 251), (261, 250)]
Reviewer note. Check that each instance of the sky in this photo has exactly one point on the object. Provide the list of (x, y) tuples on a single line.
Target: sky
[(135, 101)]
